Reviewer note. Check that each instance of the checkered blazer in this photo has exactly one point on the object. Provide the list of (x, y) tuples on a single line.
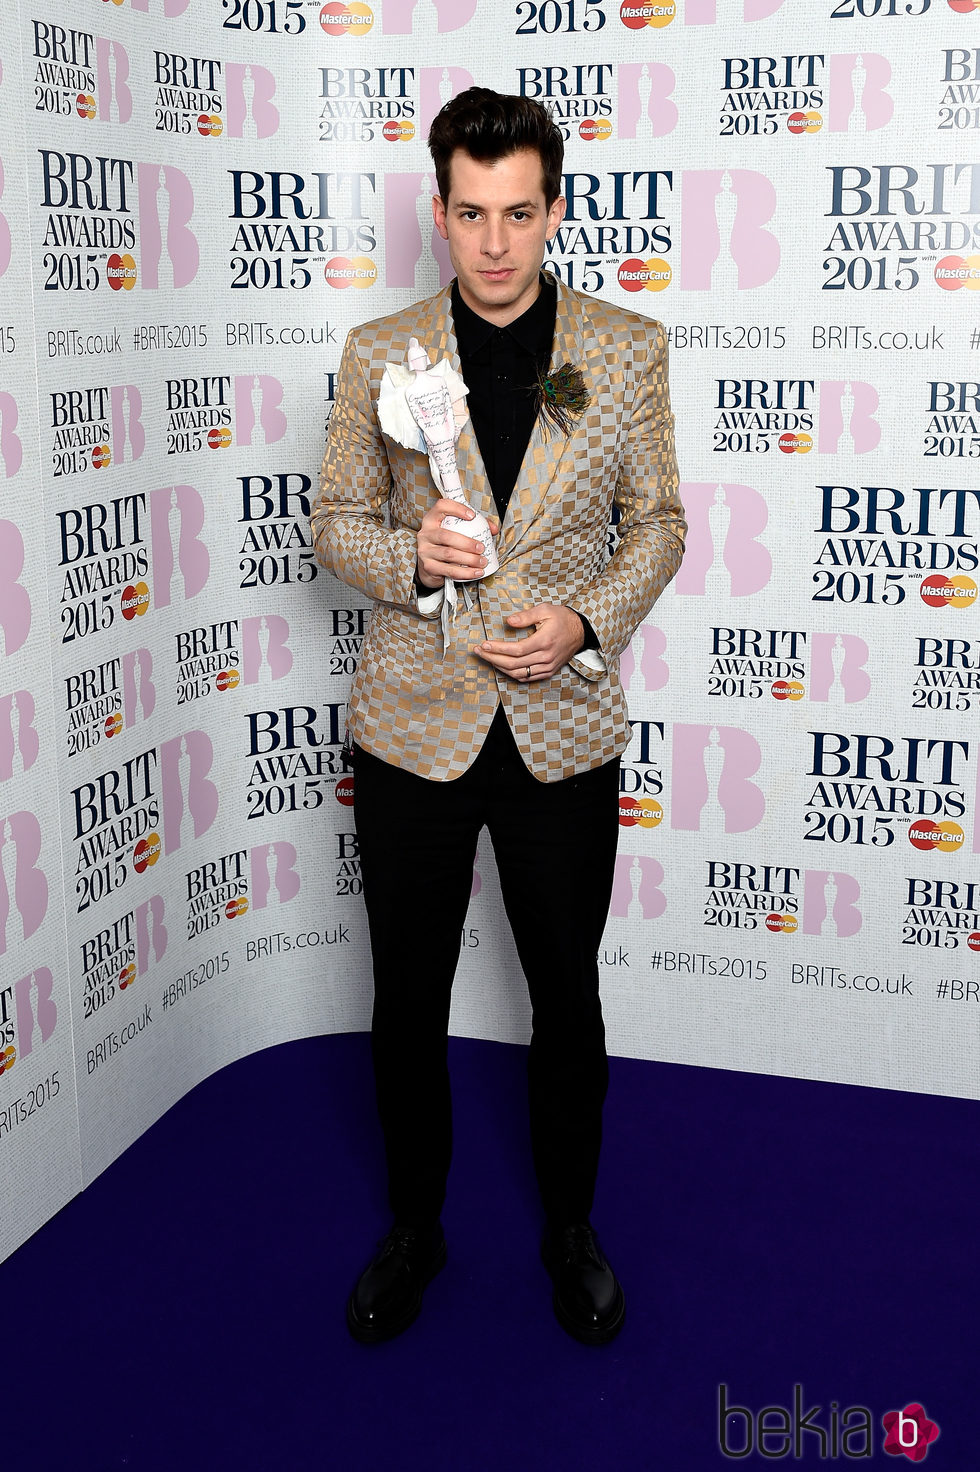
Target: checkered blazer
[(426, 705)]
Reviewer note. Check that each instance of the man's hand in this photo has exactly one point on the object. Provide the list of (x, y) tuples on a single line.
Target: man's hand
[(557, 636), (443, 554)]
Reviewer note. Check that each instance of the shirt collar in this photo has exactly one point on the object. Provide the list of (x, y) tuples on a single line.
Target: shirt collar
[(533, 330)]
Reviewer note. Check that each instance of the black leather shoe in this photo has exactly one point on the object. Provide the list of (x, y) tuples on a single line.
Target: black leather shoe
[(388, 1294), (588, 1300)]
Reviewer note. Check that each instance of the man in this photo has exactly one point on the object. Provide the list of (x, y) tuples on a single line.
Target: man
[(510, 714)]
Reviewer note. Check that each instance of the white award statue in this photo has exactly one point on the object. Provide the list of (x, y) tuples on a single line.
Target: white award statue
[(434, 398)]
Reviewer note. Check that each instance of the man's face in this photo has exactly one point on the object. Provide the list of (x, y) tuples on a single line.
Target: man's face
[(496, 222)]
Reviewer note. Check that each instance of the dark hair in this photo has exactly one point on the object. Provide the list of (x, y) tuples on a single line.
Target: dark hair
[(490, 125)]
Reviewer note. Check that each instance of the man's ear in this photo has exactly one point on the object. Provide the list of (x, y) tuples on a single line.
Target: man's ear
[(439, 216), (555, 215)]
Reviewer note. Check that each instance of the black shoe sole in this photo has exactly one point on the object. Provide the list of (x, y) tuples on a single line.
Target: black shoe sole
[(378, 1333)]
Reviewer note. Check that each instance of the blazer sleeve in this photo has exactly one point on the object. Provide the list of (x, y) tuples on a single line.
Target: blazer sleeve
[(350, 518), (651, 527)]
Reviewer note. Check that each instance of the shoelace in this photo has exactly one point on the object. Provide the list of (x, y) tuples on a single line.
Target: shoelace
[(577, 1245)]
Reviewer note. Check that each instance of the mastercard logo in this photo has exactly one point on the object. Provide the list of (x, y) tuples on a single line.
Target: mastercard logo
[(804, 122), (637, 275), (120, 272), (146, 852), (101, 457), (346, 20), (85, 105), (595, 130), (946, 837), (113, 724), (782, 924), (940, 591), (795, 444), (643, 812), (398, 130), (8, 1057), (209, 125), (135, 600), (637, 16), (344, 791), (973, 941), (787, 690), (219, 439), (955, 272), (359, 271), (964, 7), (234, 908), (227, 679), (127, 976)]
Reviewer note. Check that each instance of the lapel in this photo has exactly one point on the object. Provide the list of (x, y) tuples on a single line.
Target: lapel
[(434, 328)]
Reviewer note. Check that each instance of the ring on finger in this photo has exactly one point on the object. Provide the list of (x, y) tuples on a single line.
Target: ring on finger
[(527, 672)]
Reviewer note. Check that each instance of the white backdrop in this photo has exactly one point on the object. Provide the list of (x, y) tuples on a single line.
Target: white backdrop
[(197, 200)]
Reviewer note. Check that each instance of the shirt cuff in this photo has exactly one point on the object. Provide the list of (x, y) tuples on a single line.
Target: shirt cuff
[(430, 603)]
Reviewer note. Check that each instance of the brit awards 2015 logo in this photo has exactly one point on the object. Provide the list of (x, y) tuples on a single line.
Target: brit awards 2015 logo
[(959, 103), (99, 210), (203, 96), (294, 227), (118, 815), (108, 698), (711, 780), (579, 98), (392, 103), (214, 411), (788, 665), (869, 786), (295, 757), (19, 743), (941, 913), (948, 677), (725, 240), (80, 75), (777, 897), (759, 414), (277, 547), (724, 555), (11, 448), (953, 426), (880, 542), (618, 219), (895, 219), (248, 879), (28, 1016), (23, 883), (764, 95), (93, 428), (15, 601), (118, 956)]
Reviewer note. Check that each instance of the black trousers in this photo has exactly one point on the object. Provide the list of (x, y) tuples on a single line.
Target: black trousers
[(555, 848)]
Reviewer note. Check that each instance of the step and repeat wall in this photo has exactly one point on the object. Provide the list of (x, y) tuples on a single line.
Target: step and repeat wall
[(197, 199)]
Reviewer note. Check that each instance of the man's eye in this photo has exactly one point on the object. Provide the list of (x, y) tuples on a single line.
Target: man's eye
[(520, 215)]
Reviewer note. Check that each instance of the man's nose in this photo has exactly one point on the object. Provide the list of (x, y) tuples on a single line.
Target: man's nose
[(494, 239)]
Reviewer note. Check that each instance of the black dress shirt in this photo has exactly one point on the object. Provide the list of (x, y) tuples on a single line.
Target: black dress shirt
[(501, 367)]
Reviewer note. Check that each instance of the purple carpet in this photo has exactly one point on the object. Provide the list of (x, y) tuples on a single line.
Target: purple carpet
[(185, 1314)]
